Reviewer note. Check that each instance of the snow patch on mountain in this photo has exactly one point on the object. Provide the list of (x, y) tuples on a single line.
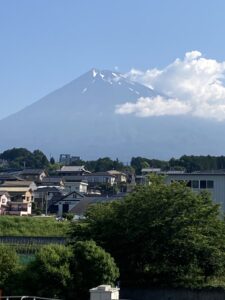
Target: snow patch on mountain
[(94, 73)]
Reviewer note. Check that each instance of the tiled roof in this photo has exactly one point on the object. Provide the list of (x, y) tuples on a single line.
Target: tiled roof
[(72, 169), (100, 174), (32, 171), (20, 183), (52, 179)]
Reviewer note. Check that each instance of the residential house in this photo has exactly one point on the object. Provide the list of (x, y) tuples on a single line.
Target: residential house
[(18, 209), (46, 196), (72, 171), (53, 181), (36, 175), (100, 178), (4, 199), (120, 177), (147, 171), (21, 194), (80, 209), (75, 183), (5, 176), (66, 203)]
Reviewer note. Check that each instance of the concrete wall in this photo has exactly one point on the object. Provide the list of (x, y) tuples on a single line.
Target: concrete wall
[(172, 294)]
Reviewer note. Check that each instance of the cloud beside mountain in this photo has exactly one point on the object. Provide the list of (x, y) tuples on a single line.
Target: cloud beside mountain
[(157, 106), (193, 86)]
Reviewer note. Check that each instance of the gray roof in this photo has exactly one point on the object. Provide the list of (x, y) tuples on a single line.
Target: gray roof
[(19, 183), (83, 204), (100, 174), (72, 169), (48, 189), (32, 171), (197, 173), (74, 178), (115, 172), (52, 179), (8, 176), (74, 192)]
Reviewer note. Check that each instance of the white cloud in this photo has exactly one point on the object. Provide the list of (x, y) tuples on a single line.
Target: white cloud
[(195, 86), (157, 106)]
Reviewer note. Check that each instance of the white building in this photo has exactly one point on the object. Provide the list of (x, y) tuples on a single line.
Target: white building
[(75, 184), (100, 178), (211, 181)]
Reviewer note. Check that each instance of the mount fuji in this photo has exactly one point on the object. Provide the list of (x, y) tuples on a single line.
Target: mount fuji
[(80, 119)]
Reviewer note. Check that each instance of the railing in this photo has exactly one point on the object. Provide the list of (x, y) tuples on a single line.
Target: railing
[(25, 297)]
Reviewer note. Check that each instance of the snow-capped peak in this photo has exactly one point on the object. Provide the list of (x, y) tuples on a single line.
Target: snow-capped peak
[(112, 78), (94, 73)]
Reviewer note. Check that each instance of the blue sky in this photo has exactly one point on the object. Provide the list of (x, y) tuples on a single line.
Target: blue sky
[(47, 43)]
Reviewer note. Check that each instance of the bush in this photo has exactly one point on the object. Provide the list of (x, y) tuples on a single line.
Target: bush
[(91, 266)]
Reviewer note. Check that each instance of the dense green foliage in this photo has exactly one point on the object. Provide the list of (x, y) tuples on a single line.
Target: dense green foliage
[(9, 264), (91, 267), (101, 164), (160, 235), (139, 163), (198, 163), (188, 163), (49, 273), (21, 157), (32, 226), (58, 271)]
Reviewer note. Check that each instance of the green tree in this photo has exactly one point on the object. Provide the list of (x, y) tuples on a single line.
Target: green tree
[(52, 161), (8, 266), (104, 164), (159, 235), (40, 160), (21, 157), (49, 274), (91, 267)]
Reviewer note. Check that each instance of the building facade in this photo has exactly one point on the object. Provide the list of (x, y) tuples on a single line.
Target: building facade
[(213, 182)]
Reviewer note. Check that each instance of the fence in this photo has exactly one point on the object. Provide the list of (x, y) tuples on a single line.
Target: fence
[(32, 240), (172, 294), (30, 245), (25, 297)]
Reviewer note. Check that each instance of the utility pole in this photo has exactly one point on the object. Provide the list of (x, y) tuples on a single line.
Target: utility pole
[(46, 205)]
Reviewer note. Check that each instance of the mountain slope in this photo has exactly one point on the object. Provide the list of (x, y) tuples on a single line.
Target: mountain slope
[(80, 118)]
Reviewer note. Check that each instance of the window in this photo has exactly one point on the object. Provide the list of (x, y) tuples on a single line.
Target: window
[(202, 184), (195, 184), (210, 184), (188, 183)]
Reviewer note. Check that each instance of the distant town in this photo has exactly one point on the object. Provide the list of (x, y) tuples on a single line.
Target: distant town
[(30, 184)]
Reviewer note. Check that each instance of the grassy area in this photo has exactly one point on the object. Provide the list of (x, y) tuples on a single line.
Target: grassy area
[(32, 226)]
